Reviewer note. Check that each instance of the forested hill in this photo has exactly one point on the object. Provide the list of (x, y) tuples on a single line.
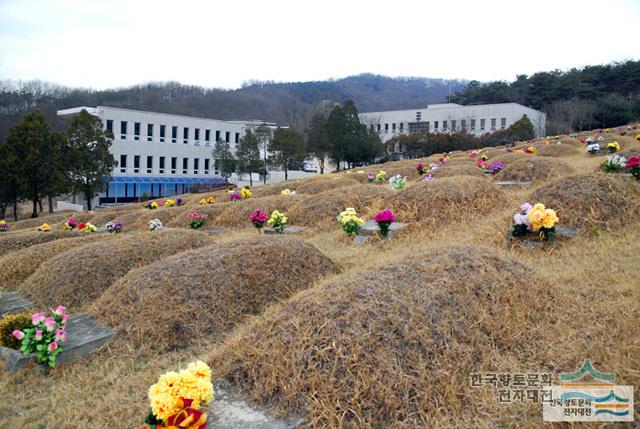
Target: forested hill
[(284, 103)]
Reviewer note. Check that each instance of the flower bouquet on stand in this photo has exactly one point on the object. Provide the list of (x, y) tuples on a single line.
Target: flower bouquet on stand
[(45, 337), (278, 221), (536, 220), (349, 221), (384, 219), (196, 220), (259, 217), (114, 226), (177, 397)]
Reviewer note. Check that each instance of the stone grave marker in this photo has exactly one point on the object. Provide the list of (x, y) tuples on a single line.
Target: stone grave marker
[(12, 302), (293, 229)]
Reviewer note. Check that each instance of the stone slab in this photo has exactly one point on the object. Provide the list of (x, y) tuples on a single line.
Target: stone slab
[(230, 410), (85, 336), (287, 230), (216, 229), (513, 183), (12, 302), (562, 233), (370, 229)]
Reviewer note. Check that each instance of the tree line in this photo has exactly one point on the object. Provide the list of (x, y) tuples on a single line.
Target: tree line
[(574, 100), (423, 144), (337, 136), (37, 163)]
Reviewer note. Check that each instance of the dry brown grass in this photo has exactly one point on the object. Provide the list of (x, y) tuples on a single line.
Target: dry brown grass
[(532, 169), (11, 241), (599, 200), (557, 150), (450, 169), (53, 220), (509, 157), (217, 287), (440, 201), (381, 347), (80, 275), (236, 213), (20, 264), (326, 183)]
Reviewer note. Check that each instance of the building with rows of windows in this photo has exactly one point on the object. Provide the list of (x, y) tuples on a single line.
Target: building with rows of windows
[(161, 155), (449, 118)]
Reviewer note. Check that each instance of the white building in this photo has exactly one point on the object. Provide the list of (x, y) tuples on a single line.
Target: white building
[(449, 118), (159, 154)]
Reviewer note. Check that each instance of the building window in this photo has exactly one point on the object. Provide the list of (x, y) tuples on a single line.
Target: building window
[(196, 165), (136, 163), (162, 133), (161, 165), (136, 130), (207, 135), (401, 126), (174, 134), (444, 125), (123, 130), (149, 132), (206, 166), (493, 124), (418, 127), (196, 136), (482, 124), (237, 139), (386, 128), (227, 136), (217, 135), (435, 125), (174, 163), (379, 127), (110, 125), (393, 127), (185, 135), (473, 125), (371, 127), (418, 116), (123, 163), (453, 125), (185, 165), (463, 124), (503, 123), (149, 164)]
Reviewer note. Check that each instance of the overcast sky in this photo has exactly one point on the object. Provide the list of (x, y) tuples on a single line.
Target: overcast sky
[(112, 43)]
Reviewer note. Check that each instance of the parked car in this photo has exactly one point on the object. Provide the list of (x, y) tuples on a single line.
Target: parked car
[(309, 167)]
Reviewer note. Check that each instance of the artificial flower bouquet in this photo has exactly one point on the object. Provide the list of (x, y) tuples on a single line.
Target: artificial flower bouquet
[(70, 224), (614, 163), (530, 150), (287, 192), (196, 220), (245, 192), (179, 201), (593, 148), (371, 177), (45, 337), (421, 169), (633, 165), (150, 205), (398, 182), (381, 176), (278, 221), (155, 224), (259, 217), (234, 196), (114, 226), (4, 226), (472, 153), (87, 227), (206, 201), (177, 397), (534, 219), (613, 147), (44, 227), (169, 202), (384, 219), (349, 221)]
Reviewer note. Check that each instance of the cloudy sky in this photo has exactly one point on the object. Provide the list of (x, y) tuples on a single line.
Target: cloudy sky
[(110, 43)]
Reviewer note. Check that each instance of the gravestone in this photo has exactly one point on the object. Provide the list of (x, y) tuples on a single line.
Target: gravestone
[(370, 229), (287, 230), (512, 184), (230, 410), (216, 229), (12, 302), (84, 336)]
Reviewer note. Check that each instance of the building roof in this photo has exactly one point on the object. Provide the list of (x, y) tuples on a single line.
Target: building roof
[(452, 106)]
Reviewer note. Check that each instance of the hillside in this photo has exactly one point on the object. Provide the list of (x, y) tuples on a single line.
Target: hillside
[(384, 333), (285, 103)]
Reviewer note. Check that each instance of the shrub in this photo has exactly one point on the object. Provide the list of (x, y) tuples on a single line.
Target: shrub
[(10, 323)]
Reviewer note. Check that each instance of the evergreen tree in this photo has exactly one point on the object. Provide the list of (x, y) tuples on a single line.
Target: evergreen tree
[(264, 135), (33, 148), (318, 142), (336, 132), (224, 159), (288, 149), (88, 155), (11, 180), (248, 155)]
